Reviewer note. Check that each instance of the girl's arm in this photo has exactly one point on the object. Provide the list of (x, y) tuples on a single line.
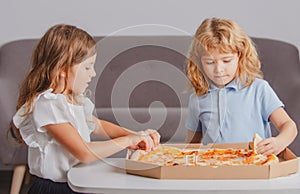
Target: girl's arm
[(105, 129), (69, 137), (193, 136), (288, 132)]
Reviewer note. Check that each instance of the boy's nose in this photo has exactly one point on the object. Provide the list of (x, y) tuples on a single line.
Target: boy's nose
[(218, 68)]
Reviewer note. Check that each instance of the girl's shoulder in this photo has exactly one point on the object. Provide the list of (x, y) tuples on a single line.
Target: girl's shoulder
[(48, 96), (59, 103), (48, 100), (49, 103)]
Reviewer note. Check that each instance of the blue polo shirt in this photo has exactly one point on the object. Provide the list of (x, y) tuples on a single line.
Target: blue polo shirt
[(233, 113)]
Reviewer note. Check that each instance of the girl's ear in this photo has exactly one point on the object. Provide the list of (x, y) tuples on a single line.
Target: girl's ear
[(62, 73)]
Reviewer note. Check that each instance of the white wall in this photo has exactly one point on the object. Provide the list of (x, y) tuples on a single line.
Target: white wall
[(275, 19)]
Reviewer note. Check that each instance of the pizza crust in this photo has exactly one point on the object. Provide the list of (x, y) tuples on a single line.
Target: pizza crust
[(255, 141), (136, 155)]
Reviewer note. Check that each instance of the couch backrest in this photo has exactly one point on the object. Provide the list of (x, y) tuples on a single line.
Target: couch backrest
[(147, 75), (14, 64), (281, 68), (141, 83)]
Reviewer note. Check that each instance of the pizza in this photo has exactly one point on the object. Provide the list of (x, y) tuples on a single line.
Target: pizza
[(173, 156)]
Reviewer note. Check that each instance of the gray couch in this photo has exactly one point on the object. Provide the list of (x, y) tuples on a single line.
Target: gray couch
[(141, 84)]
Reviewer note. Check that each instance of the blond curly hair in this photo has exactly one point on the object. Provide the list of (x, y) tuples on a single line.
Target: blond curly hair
[(227, 37)]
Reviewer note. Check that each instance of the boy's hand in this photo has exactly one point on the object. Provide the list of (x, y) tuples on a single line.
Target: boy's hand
[(270, 146)]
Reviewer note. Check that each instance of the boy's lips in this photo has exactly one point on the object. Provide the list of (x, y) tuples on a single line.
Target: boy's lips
[(220, 76)]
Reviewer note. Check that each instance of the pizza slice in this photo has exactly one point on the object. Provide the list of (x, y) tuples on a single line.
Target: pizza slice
[(162, 155), (261, 159), (255, 141)]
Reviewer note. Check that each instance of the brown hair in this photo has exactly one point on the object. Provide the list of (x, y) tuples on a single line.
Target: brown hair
[(226, 36), (61, 47)]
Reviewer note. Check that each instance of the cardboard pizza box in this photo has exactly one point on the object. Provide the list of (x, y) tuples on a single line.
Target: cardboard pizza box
[(288, 165)]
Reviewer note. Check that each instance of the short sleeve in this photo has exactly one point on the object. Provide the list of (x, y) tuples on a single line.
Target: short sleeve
[(192, 120), (270, 101), (27, 129), (42, 112), (51, 108)]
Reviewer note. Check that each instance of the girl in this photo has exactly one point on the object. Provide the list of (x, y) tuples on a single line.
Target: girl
[(231, 102), (55, 119)]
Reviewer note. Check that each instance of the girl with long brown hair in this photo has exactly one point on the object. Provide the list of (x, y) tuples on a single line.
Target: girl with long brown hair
[(54, 117)]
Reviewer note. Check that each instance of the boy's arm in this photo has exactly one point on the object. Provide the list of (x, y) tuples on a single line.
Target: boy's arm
[(193, 136), (288, 132)]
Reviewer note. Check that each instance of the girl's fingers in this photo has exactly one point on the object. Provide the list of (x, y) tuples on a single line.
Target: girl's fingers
[(154, 135), (150, 138), (151, 142)]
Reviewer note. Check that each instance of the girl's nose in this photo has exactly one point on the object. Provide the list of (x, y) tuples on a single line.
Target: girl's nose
[(93, 74)]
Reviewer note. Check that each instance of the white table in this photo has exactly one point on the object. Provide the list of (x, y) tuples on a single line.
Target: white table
[(109, 176)]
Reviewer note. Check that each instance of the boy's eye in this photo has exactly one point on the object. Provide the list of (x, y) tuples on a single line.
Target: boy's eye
[(209, 62), (87, 68), (227, 60)]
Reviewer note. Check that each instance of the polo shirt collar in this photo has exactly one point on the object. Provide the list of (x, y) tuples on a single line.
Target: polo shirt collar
[(233, 85)]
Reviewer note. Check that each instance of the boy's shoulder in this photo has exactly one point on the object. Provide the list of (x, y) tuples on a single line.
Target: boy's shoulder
[(194, 96), (259, 83)]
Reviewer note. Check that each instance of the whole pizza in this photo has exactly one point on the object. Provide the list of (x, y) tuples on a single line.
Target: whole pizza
[(173, 156)]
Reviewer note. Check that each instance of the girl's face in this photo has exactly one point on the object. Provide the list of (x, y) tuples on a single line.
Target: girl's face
[(80, 75), (220, 68)]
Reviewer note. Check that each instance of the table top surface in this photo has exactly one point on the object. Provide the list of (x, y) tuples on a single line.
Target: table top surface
[(109, 176)]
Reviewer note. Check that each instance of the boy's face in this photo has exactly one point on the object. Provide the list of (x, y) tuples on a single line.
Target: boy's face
[(81, 74), (220, 68)]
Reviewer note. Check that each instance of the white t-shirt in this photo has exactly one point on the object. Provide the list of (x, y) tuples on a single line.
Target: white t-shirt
[(46, 157)]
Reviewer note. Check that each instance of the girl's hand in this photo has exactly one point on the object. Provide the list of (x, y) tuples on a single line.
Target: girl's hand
[(141, 140), (154, 135), (269, 146)]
